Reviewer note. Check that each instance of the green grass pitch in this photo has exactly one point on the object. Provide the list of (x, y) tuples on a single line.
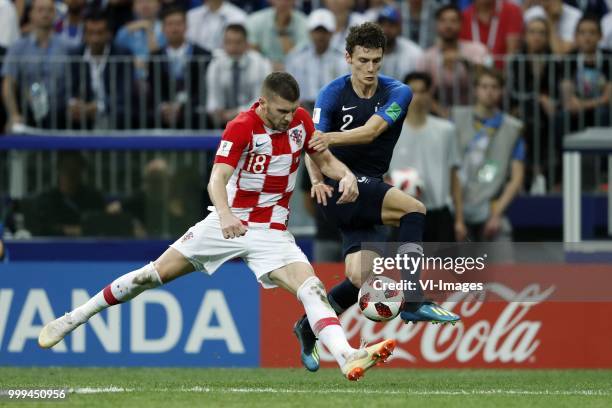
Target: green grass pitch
[(383, 387)]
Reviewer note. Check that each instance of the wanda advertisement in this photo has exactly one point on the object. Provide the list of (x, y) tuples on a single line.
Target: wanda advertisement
[(560, 319)]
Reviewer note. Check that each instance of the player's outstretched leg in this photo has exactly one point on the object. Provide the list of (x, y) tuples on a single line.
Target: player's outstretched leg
[(299, 278), (169, 266), (326, 326), (340, 297), (409, 214)]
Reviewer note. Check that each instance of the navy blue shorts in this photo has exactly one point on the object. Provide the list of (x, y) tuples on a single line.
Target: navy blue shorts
[(359, 221)]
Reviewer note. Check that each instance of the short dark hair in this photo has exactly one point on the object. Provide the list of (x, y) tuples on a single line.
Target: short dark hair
[(171, 9), (419, 76), (448, 7), (237, 28), (483, 71), (283, 85), (367, 35), (590, 18)]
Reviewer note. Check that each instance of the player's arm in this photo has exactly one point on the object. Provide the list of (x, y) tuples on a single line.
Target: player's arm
[(361, 135), (231, 225), (396, 107), (318, 189), (233, 142), (333, 168)]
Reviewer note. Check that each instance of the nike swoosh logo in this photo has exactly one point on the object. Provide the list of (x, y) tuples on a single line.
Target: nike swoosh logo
[(344, 108), (260, 144)]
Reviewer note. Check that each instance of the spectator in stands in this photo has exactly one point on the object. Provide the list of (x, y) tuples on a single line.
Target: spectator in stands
[(34, 83), (451, 62), (587, 85), (606, 26), (144, 35), (497, 24), (316, 64), (418, 20), (177, 76), (101, 83), (234, 77), (9, 24), (206, 23), (493, 159), (167, 203), (60, 210), (531, 87), (562, 19), (276, 30), (401, 54), (70, 26), (429, 145), (345, 19)]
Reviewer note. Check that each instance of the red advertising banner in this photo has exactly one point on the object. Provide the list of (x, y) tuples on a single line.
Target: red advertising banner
[(533, 332)]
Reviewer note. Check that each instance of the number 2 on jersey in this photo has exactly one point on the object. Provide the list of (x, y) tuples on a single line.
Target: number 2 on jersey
[(256, 163), (346, 121)]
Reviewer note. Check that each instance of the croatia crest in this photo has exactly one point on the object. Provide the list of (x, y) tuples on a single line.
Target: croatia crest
[(296, 135)]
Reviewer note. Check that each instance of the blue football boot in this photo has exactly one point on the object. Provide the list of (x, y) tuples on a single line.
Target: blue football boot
[(308, 344), (429, 312)]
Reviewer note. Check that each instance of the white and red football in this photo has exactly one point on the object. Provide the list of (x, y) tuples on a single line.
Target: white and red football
[(408, 180), (379, 300)]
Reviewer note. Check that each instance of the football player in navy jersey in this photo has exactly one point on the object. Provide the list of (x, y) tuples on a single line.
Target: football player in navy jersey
[(359, 117)]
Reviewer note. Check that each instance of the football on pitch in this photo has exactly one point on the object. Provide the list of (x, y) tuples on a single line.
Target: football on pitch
[(408, 180), (379, 300)]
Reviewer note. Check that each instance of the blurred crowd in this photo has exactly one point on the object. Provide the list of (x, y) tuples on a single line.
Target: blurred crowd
[(117, 64), (188, 64)]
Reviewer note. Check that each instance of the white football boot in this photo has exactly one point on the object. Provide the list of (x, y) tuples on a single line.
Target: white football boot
[(55, 331)]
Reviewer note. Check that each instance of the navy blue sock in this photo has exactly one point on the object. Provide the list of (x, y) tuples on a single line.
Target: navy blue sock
[(410, 236), (342, 296), (411, 228)]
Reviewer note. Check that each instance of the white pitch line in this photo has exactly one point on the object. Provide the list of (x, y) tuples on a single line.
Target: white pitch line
[(104, 390), (112, 389)]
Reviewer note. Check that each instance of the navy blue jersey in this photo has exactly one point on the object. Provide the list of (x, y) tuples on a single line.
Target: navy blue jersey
[(338, 108)]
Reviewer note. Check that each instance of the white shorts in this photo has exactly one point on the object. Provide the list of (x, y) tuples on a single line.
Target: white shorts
[(263, 250)]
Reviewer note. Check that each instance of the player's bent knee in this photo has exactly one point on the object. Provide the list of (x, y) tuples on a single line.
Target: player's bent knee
[(292, 276), (358, 267), (417, 206), (397, 204)]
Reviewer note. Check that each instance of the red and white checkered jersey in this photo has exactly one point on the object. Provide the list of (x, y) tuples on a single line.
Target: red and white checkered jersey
[(266, 164)]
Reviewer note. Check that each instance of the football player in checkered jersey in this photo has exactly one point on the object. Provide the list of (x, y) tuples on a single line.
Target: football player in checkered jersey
[(359, 116), (250, 186)]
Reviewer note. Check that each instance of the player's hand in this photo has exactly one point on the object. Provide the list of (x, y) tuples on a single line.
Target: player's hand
[(321, 192), (231, 226), (319, 141), (348, 188)]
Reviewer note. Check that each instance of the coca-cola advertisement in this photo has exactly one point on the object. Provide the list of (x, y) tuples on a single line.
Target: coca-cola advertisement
[(507, 325)]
